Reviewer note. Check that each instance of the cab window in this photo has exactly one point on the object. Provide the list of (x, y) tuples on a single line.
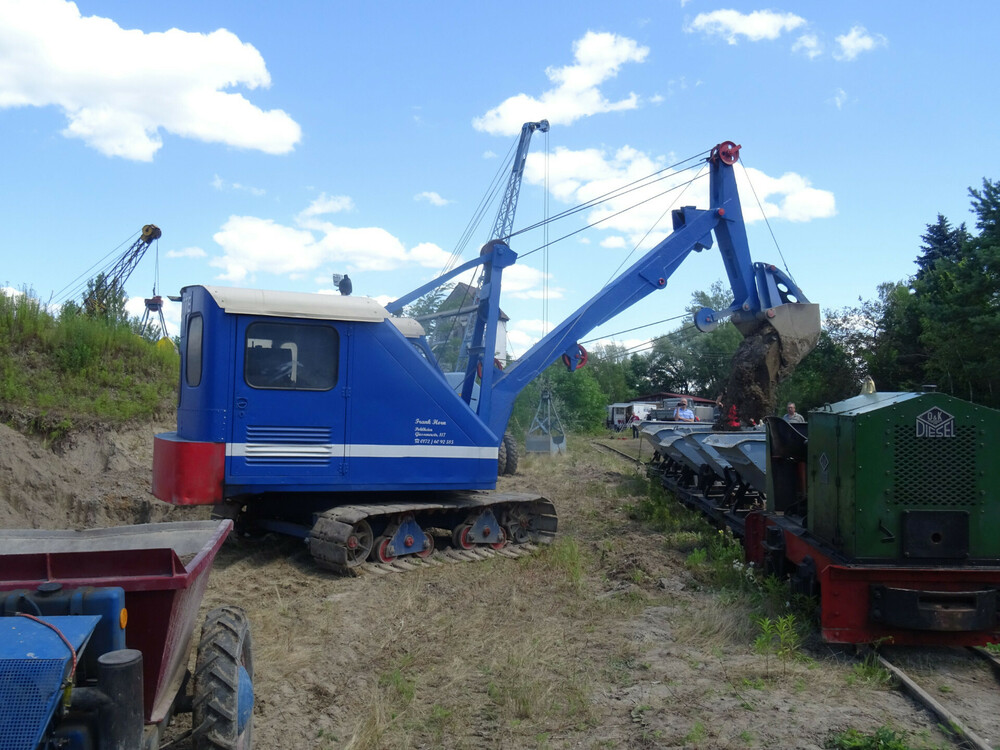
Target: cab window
[(192, 351), (291, 356)]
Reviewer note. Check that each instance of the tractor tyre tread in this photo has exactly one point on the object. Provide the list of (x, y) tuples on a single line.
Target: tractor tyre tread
[(225, 644), (512, 456), (502, 459)]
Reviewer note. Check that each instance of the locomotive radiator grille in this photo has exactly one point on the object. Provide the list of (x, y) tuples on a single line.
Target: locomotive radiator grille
[(938, 472)]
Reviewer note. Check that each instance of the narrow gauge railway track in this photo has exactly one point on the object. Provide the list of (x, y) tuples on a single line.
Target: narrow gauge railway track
[(722, 507), (958, 686), (611, 449), (955, 686)]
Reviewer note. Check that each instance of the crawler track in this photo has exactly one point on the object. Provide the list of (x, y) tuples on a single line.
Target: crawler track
[(443, 557), (343, 539)]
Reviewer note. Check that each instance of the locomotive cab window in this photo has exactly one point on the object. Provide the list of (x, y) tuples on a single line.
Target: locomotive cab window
[(290, 356)]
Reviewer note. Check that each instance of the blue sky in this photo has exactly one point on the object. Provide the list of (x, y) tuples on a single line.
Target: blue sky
[(275, 144)]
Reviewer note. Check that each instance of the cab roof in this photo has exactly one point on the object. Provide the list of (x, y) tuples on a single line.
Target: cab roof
[(297, 304)]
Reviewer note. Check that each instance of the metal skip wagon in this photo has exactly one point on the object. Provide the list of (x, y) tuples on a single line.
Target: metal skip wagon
[(96, 628)]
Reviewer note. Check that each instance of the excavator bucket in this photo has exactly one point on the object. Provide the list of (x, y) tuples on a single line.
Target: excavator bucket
[(797, 325)]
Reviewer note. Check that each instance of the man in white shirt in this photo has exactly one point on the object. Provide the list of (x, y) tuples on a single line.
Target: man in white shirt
[(791, 415), (682, 413)]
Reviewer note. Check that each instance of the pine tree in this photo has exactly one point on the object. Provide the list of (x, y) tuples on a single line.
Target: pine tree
[(940, 241)]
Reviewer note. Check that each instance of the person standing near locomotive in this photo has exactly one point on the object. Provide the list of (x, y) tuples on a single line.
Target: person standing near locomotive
[(682, 413), (791, 415)]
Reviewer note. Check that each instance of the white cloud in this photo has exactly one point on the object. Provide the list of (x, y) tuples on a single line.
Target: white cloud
[(598, 57), (220, 184), (9, 291), (796, 199), (809, 45), (756, 26), (119, 88), (252, 245), (576, 177), (856, 41), (249, 189), (533, 325), (429, 255), (524, 282), (615, 242), (524, 334), (187, 252), (326, 204), (840, 98), (431, 197), (489, 155), (519, 342)]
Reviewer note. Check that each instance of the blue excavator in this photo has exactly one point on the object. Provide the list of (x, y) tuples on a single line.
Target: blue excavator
[(329, 418)]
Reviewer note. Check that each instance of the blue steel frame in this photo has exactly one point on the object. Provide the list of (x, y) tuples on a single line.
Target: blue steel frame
[(756, 287)]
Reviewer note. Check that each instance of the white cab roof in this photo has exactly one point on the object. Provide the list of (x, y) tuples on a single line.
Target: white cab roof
[(297, 304), (408, 327)]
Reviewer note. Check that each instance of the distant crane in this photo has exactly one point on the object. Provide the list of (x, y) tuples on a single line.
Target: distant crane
[(113, 280), (109, 283), (503, 226)]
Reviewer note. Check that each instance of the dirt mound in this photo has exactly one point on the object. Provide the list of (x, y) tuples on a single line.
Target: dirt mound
[(96, 477), (754, 374)]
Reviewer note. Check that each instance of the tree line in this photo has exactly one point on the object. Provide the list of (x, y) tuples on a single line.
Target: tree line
[(936, 327)]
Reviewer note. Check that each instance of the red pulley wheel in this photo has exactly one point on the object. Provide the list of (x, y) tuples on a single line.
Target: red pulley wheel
[(728, 152), (580, 361)]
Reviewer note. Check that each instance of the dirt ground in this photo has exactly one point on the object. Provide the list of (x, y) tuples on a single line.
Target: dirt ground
[(603, 640)]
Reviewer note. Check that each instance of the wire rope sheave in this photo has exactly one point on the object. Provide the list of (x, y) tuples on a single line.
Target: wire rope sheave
[(576, 360)]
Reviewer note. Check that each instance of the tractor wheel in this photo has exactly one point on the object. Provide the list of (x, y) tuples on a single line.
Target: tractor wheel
[(502, 459), (511, 445), (223, 682)]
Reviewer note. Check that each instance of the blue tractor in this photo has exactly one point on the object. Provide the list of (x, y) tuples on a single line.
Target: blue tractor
[(329, 418), (96, 629)]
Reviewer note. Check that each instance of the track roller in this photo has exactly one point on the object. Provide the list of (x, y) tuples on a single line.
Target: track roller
[(405, 537), (481, 528)]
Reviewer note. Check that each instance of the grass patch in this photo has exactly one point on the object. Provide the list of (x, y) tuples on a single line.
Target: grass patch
[(60, 371), (565, 557), (870, 673), (884, 738)]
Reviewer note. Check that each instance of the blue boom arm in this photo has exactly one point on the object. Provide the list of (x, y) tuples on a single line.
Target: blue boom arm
[(758, 290)]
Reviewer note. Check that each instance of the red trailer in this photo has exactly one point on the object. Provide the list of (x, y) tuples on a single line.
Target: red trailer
[(141, 588)]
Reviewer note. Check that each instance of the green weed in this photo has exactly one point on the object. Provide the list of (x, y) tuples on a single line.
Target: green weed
[(697, 734), (884, 738), (564, 555), (779, 637), (399, 684), (870, 672)]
